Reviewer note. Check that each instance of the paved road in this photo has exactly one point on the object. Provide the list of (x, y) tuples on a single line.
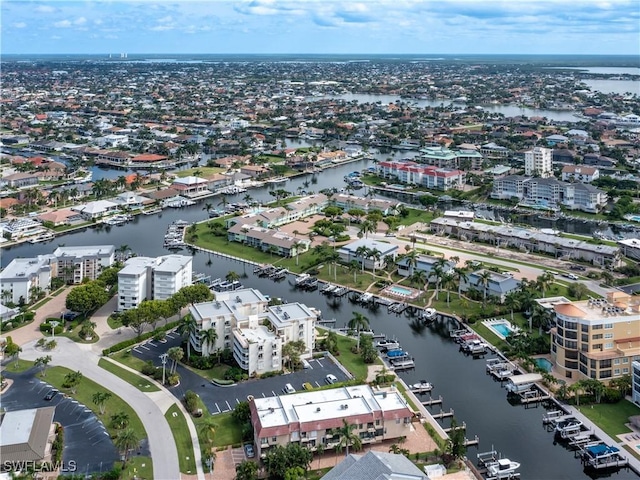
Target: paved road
[(80, 357), (222, 399)]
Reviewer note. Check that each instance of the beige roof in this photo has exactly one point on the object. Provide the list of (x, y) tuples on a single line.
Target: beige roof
[(570, 310), (24, 434)]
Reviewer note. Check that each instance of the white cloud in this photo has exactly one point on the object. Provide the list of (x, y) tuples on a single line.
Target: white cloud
[(44, 9), (19, 25), (80, 21), (62, 24), (162, 28)]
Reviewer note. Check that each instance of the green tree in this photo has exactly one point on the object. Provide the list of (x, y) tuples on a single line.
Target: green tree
[(207, 431), (132, 318), (247, 470), (188, 327), (119, 420), (43, 362), (125, 441), (12, 350), (279, 459), (295, 473), (358, 322), (175, 355), (348, 438), (368, 352), (208, 337), (100, 399), (292, 351), (72, 380), (87, 298)]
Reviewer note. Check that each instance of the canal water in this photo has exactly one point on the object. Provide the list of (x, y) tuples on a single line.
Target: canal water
[(477, 400)]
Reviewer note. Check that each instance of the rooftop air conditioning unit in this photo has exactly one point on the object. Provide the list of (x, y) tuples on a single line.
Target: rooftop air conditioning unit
[(317, 409)]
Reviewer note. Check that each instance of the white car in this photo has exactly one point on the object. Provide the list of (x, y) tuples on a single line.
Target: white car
[(288, 388), (331, 379), (570, 276)]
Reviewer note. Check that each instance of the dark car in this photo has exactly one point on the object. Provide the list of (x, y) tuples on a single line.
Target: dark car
[(249, 451), (50, 394), (580, 268), (70, 316)]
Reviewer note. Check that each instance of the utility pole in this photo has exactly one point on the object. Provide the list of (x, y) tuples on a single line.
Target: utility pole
[(163, 358)]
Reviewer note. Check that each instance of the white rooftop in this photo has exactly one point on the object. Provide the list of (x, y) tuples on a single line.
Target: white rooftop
[(24, 267), (84, 251), (16, 427), (172, 263)]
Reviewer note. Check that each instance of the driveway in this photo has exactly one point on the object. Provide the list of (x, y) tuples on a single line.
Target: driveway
[(223, 399)]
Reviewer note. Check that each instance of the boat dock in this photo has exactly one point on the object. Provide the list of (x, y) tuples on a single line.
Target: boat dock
[(432, 401), (535, 395), (554, 417), (422, 389), (397, 308), (443, 414)]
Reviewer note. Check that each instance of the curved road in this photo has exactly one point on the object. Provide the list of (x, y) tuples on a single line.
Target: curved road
[(80, 357)]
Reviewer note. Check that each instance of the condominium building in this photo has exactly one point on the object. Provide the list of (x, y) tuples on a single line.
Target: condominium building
[(147, 278), (77, 263), (597, 338), (313, 418), (635, 382), (538, 162), (427, 176), (20, 279), (255, 332)]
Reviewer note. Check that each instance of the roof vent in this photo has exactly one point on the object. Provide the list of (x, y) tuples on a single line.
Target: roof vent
[(238, 299), (317, 409)]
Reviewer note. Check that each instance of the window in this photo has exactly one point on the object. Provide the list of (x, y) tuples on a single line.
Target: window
[(616, 361), (274, 439), (608, 335), (625, 360), (625, 370), (397, 421), (608, 325), (596, 327), (608, 345), (616, 371), (597, 337)]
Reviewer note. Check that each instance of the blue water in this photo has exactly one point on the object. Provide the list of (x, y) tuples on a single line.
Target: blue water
[(400, 290), (502, 329), (544, 363)]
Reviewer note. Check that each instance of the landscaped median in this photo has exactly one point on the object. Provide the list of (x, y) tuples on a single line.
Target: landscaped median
[(182, 437), (116, 415)]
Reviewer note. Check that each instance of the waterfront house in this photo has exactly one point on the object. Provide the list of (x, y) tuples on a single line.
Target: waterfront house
[(378, 465), (425, 263), (20, 228), (347, 202), (498, 285), (579, 173), (97, 209), (21, 179), (131, 201), (63, 216), (313, 418), (356, 251), (191, 186), (150, 160)]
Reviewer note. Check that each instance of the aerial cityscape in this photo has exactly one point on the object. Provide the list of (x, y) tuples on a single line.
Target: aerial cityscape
[(300, 240)]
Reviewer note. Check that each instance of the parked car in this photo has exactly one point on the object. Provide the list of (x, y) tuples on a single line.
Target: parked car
[(579, 268), (288, 388), (70, 316), (331, 379), (249, 451), (570, 276), (50, 394), (307, 386)]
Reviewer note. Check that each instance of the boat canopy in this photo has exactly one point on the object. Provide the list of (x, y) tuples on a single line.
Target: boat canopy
[(525, 378)]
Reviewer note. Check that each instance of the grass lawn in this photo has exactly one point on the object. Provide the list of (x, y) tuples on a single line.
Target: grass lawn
[(114, 322), (75, 335), (227, 430), (204, 171), (414, 216), (611, 417), (36, 306), (140, 382), (215, 373), (18, 366), (182, 437), (138, 467), (349, 360), (84, 394), (125, 357)]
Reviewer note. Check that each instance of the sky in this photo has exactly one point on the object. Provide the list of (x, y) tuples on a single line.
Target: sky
[(609, 27)]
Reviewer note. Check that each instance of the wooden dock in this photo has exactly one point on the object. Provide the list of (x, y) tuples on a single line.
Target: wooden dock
[(443, 414), (462, 427), (432, 401)]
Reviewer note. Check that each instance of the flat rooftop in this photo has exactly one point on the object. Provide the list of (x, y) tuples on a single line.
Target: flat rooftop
[(84, 251)]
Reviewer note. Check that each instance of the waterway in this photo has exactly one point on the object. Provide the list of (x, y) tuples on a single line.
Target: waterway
[(477, 400)]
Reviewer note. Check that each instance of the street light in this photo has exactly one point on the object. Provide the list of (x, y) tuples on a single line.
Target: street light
[(163, 359), (53, 324)]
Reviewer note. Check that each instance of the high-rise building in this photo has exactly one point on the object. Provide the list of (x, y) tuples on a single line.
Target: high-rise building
[(538, 162)]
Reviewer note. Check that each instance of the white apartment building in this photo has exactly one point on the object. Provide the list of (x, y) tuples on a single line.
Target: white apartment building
[(147, 278), (255, 332), (538, 162), (19, 279), (77, 263), (635, 382)]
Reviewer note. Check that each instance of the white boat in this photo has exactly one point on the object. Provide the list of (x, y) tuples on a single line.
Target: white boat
[(43, 237), (277, 180), (568, 424), (388, 344), (423, 385), (302, 278), (503, 468), (402, 364)]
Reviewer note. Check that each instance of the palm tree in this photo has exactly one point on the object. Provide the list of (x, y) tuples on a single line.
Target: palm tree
[(188, 327), (99, 399), (348, 438), (412, 259), (544, 282), (125, 441), (43, 362), (175, 354), (419, 277), (512, 301), (461, 276), (354, 267), (357, 322), (207, 431), (362, 253), (448, 281), (483, 280), (119, 420), (232, 276), (374, 254), (296, 245), (208, 337)]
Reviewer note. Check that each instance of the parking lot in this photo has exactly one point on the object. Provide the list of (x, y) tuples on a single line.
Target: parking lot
[(220, 399), (86, 441)]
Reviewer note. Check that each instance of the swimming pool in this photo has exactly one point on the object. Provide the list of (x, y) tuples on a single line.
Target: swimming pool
[(502, 328), (544, 364), (397, 290)]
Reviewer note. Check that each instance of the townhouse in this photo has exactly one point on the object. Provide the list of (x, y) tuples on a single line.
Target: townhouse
[(313, 418)]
